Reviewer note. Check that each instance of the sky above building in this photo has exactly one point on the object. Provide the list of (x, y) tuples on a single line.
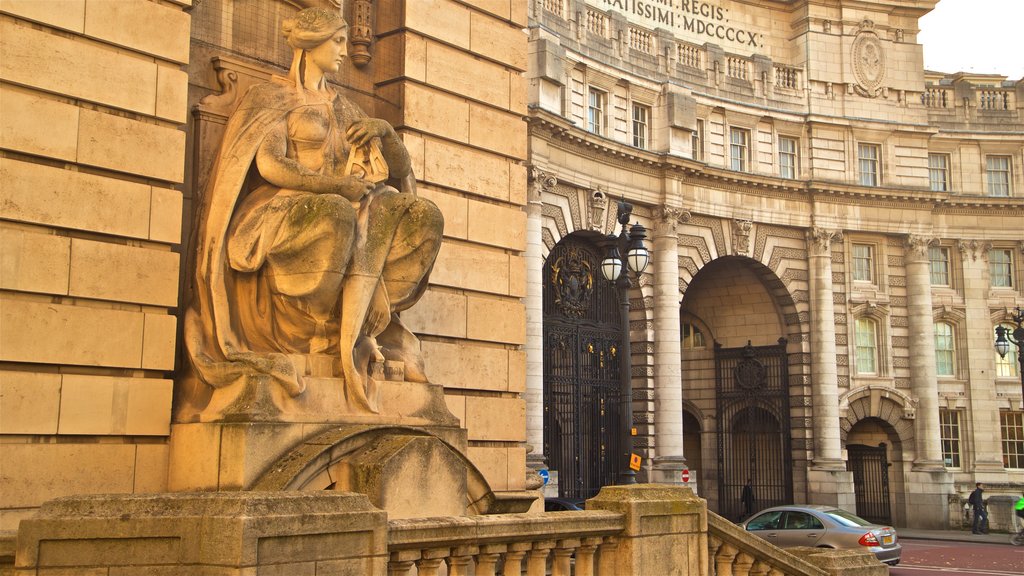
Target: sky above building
[(980, 36)]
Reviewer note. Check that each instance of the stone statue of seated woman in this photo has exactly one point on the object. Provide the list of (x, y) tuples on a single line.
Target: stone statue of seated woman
[(311, 238)]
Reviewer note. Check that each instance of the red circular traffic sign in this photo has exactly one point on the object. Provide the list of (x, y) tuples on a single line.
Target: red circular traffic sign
[(686, 474)]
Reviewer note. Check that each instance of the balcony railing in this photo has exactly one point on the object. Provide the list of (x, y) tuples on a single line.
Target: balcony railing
[(993, 99), (556, 7), (641, 40), (935, 98), (787, 77), (692, 56), (597, 22), (737, 68)]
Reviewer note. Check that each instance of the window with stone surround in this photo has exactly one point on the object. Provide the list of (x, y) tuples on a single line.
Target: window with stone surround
[(739, 149), (938, 172), (692, 336), (1007, 367), (1000, 267), (938, 265), (1011, 431), (866, 346), (997, 175), (868, 156), (597, 103), (945, 350), (641, 125), (697, 141), (787, 157), (863, 262), (949, 435)]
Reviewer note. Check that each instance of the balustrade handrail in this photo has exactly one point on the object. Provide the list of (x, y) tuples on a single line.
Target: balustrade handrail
[(412, 533), (744, 542)]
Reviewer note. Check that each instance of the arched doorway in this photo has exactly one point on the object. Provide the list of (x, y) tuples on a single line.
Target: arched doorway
[(692, 446), (869, 457), (582, 331)]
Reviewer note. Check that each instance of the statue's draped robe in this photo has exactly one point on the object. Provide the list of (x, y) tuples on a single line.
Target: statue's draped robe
[(244, 319)]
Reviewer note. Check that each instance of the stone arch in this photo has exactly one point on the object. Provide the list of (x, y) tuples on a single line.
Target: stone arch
[(889, 405), (382, 462)]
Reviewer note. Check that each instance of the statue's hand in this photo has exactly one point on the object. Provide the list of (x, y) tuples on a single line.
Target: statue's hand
[(353, 187), (362, 131)]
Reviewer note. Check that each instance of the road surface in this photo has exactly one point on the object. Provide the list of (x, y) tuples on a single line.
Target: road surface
[(945, 558)]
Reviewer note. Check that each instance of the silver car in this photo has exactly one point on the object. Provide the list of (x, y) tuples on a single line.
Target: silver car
[(825, 527)]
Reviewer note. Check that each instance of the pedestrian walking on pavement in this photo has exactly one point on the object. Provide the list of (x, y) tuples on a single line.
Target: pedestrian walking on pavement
[(979, 524)]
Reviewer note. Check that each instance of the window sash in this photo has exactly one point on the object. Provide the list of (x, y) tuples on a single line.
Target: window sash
[(641, 121), (866, 347), (949, 435), (997, 170), (1000, 266), (938, 172), (868, 156), (945, 351), (862, 259), (692, 337), (938, 261), (787, 157), (739, 140), (1011, 428), (595, 111)]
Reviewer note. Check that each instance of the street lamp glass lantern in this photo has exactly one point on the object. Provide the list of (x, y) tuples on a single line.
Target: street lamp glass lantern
[(637, 256), (1002, 344), (611, 266)]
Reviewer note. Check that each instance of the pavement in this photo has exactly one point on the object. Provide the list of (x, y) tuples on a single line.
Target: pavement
[(954, 535)]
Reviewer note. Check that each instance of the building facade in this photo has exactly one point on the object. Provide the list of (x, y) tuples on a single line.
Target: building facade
[(835, 233)]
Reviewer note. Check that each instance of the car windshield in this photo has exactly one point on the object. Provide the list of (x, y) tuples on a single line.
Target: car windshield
[(846, 519)]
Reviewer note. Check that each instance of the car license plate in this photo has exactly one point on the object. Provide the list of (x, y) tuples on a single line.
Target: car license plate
[(886, 540)]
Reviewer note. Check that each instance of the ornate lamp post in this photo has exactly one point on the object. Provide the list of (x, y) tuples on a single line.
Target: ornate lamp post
[(613, 268), (1004, 337)]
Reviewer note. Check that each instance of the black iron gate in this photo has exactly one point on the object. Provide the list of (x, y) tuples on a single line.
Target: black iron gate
[(752, 406), (581, 371), (870, 467)]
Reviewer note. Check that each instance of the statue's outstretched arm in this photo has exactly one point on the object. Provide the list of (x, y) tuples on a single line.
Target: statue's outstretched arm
[(363, 130), (279, 170)]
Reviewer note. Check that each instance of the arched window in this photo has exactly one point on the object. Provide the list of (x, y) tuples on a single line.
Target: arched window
[(945, 350), (866, 332), (1007, 367)]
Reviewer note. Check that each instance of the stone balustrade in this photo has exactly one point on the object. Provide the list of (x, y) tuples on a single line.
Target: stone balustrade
[(787, 77), (735, 552), (506, 544)]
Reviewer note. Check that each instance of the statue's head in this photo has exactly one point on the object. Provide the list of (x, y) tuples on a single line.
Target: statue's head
[(319, 34)]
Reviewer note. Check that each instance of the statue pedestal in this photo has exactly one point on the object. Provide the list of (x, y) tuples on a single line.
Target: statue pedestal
[(409, 459)]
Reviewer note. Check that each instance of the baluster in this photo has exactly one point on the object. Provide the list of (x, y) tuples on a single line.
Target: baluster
[(514, 558), (487, 558), (606, 555), (537, 558), (723, 559), (458, 563), (714, 543), (585, 556), (741, 567), (760, 568), (776, 572), (431, 561), (562, 565), (402, 561)]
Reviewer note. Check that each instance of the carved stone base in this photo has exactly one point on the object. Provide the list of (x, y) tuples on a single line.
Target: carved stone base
[(259, 398)]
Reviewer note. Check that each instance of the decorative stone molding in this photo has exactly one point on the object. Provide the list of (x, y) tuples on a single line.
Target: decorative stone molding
[(918, 245), (540, 181), (969, 249), (668, 218), (820, 240), (868, 61), (597, 210), (741, 237)]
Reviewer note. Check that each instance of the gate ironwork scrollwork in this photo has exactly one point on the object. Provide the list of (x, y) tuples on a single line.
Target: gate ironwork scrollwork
[(752, 406), (581, 370)]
